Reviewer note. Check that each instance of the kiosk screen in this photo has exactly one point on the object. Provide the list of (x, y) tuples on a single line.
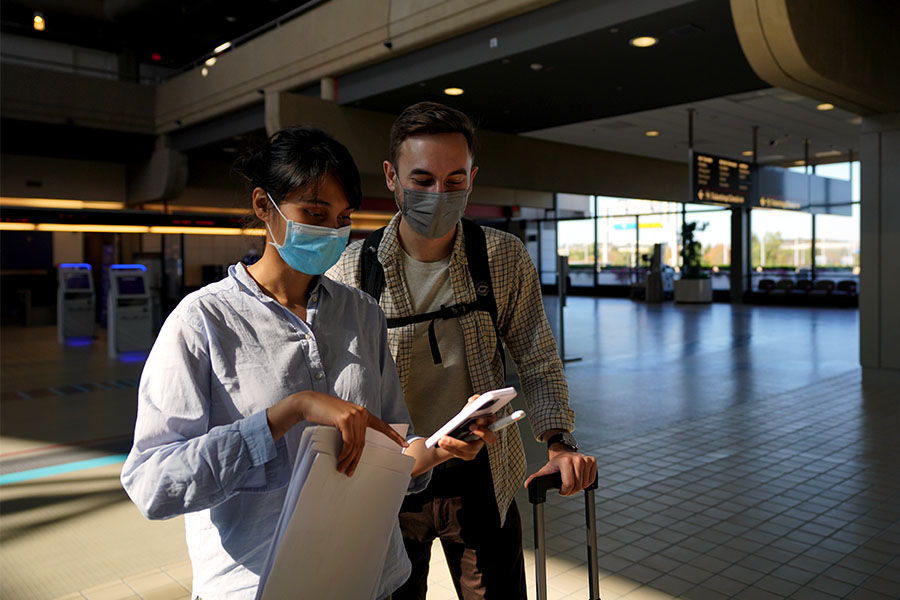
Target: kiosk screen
[(78, 282), (130, 286)]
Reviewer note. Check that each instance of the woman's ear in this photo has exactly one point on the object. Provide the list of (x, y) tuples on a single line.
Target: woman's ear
[(260, 203)]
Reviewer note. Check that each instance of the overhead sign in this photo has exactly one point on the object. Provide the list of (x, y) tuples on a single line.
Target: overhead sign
[(720, 180), (789, 190)]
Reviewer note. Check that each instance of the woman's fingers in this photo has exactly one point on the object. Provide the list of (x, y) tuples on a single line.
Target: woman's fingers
[(379, 425)]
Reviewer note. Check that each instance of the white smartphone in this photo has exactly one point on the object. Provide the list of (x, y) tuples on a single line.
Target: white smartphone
[(486, 404)]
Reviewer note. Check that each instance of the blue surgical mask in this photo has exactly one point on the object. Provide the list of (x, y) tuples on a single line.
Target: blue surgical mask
[(310, 249)]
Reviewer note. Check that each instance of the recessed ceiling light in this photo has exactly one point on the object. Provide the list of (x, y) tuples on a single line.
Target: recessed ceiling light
[(536, 66), (39, 22), (210, 61), (222, 47), (453, 91), (747, 153), (204, 71), (825, 106), (644, 41), (651, 133)]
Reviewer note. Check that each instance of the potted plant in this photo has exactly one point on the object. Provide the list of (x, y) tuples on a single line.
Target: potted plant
[(695, 285)]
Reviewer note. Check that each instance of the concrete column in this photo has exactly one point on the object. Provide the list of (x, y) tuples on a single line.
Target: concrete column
[(740, 253), (879, 298)]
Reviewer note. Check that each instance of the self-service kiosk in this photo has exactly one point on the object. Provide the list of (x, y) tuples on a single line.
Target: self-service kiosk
[(75, 300), (129, 310)]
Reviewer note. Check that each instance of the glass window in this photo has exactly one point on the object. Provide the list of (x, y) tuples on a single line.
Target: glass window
[(781, 243), (576, 240), (616, 240), (715, 242), (547, 258)]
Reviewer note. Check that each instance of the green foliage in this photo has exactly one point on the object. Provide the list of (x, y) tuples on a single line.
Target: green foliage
[(691, 252)]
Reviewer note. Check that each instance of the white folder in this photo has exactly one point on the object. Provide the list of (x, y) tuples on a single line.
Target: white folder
[(333, 532)]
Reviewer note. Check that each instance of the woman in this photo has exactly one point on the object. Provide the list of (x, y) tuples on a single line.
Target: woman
[(241, 366)]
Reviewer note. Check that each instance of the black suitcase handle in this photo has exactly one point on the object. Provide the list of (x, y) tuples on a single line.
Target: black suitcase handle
[(537, 495), (537, 489)]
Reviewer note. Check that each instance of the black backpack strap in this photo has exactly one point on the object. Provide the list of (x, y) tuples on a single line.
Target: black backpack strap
[(446, 312), (372, 282), (371, 272), (480, 272)]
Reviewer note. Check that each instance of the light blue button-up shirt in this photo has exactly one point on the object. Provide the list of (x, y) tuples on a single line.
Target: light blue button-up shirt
[(202, 445)]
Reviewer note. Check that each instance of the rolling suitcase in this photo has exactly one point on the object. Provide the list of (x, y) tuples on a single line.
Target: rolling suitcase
[(537, 495)]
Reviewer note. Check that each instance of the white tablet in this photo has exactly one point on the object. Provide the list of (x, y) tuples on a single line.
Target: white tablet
[(486, 404)]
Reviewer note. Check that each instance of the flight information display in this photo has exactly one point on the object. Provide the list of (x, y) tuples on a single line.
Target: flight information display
[(720, 180)]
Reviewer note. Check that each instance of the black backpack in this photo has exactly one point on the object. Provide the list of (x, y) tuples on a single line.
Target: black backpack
[(372, 282)]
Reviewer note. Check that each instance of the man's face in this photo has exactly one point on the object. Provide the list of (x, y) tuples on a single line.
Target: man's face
[(437, 162)]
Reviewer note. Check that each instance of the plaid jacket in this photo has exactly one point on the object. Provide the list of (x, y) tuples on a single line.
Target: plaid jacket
[(523, 329)]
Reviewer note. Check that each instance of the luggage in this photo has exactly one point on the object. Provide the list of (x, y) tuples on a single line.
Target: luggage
[(537, 495)]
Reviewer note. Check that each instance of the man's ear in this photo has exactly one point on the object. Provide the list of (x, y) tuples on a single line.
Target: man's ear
[(260, 203), (472, 176), (390, 175)]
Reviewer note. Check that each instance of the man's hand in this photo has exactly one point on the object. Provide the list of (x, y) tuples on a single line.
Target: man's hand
[(577, 470), (468, 450)]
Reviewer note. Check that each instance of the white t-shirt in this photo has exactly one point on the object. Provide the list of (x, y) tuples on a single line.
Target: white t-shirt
[(435, 392)]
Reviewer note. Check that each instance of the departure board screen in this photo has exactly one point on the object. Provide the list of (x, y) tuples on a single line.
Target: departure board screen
[(722, 180)]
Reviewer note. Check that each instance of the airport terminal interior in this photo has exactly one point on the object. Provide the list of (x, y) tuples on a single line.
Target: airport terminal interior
[(709, 191)]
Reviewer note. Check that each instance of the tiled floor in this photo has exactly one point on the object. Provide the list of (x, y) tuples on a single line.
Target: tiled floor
[(739, 457)]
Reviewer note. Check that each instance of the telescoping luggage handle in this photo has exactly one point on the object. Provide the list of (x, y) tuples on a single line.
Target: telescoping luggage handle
[(537, 495)]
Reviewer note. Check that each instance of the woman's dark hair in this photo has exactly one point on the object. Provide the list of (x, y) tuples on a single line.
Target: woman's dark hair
[(298, 157), (425, 118)]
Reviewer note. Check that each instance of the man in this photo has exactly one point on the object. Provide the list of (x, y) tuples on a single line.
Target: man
[(424, 256)]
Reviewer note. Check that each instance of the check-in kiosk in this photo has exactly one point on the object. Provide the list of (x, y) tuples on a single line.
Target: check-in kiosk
[(75, 299), (129, 310)]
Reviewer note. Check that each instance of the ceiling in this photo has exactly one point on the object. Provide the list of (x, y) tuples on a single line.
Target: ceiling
[(594, 89), (181, 32), (724, 127), (565, 73)]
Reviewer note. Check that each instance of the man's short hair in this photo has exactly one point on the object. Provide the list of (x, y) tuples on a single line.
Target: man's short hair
[(425, 118)]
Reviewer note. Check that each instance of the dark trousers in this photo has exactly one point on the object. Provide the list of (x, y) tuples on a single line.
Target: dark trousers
[(459, 507)]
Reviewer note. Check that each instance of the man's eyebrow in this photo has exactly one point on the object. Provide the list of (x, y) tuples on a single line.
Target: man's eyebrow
[(430, 174)]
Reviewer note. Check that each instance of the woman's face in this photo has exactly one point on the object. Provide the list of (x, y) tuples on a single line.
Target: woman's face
[(329, 208)]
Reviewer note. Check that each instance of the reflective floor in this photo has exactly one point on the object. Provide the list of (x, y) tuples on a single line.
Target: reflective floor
[(740, 457)]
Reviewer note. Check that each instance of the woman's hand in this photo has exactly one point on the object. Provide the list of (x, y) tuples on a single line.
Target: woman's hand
[(350, 419)]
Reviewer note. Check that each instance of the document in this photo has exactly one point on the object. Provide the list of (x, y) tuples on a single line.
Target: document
[(332, 536)]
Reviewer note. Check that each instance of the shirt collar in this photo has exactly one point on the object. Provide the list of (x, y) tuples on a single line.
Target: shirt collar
[(240, 274)]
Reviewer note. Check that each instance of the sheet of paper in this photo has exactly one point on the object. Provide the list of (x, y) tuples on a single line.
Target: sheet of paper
[(333, 525)]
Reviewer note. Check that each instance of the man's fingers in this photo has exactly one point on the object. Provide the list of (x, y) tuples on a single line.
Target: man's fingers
[(459, 448), (545, 470), (379, 425), (486, 435)]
